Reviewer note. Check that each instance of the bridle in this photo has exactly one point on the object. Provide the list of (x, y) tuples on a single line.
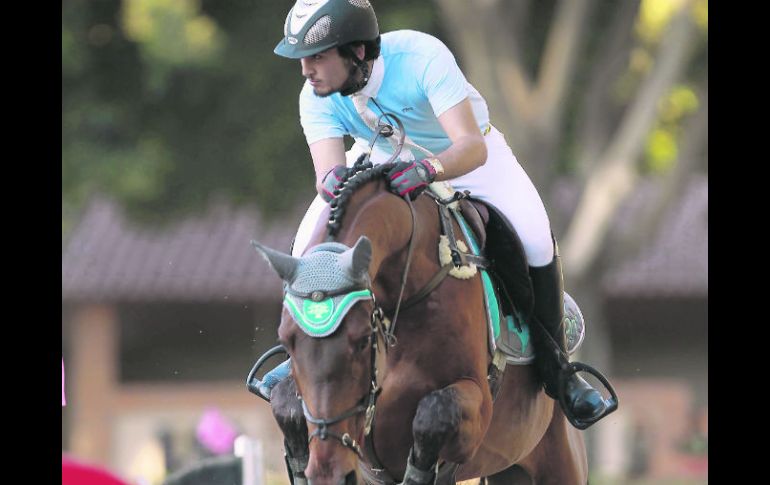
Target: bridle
[(378, 326)]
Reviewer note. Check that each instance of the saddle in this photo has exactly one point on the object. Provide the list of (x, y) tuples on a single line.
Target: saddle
[(508, 289)]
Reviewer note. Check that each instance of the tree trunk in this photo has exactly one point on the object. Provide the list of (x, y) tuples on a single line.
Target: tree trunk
[(616, 172), (530, 113)]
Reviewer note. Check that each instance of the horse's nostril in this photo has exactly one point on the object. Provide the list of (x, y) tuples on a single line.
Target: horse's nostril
[(350, 478)]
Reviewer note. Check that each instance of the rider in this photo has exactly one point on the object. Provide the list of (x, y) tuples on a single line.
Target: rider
[(355, 74)]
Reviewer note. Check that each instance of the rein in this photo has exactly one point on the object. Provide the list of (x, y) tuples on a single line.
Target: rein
[(391, 331)]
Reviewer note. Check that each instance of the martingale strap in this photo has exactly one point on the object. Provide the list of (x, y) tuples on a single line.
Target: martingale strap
[(459, 257)]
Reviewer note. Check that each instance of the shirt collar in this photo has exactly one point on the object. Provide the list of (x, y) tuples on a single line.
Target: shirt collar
[(375, 79)]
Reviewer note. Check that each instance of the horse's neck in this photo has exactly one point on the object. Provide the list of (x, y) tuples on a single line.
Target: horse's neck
[(384, 219)]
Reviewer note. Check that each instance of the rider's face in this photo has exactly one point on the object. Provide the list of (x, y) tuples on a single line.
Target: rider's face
[(327, 71)]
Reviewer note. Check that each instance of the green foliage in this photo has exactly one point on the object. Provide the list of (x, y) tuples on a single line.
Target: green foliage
[(677, 107), (662, 148), (399, 15), (168, 103)]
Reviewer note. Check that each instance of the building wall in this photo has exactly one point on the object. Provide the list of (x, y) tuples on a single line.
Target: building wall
[(665, 339), (660, 372), (194, 342), (139, 376)]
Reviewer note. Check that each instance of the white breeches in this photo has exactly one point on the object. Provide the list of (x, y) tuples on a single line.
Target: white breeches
[(500, 181)]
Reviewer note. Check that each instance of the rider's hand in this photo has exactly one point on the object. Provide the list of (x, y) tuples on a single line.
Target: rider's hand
[(331, 182), (411, 178)]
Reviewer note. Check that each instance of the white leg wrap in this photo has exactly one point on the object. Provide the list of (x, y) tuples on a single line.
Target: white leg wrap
[(307, 226)]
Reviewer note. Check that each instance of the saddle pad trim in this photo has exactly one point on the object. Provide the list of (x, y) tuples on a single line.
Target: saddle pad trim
[(573, 318), (575, 329)]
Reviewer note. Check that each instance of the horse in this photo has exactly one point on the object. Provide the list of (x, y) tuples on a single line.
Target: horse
[(397, 393)]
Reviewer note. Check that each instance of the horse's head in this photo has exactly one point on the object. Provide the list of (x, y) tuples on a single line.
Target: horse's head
[(332, 332)]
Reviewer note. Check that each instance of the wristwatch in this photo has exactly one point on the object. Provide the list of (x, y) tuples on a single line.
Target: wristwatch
[(434, 162)]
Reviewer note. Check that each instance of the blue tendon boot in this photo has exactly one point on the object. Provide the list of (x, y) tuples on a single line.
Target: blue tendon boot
[(272, 378)]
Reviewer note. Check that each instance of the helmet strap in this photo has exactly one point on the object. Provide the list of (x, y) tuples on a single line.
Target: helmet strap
[(363, 66)]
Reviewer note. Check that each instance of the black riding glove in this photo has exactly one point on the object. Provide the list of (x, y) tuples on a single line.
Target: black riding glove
[(411, 177), (332, 182)]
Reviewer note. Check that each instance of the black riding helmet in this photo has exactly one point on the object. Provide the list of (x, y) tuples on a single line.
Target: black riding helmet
[(314, 26)]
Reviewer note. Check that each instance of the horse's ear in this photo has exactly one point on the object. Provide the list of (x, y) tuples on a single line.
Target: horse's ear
[(357, 258), (283, 264)]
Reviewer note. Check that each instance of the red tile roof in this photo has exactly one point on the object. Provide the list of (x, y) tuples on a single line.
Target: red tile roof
[(203, 258), (675, 264)]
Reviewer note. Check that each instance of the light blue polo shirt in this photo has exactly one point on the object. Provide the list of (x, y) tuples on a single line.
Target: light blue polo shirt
[(416, 77)]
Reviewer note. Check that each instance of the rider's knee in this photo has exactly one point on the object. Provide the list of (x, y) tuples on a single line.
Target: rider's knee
[(540, 251)]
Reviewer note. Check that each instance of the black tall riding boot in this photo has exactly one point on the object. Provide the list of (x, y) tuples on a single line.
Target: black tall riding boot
[(585, 401)]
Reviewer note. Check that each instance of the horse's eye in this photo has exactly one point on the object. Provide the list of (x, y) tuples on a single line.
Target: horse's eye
[(362, 343)]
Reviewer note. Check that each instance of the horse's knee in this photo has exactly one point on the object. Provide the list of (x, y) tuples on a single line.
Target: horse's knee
[(287, 408), (438, 417)]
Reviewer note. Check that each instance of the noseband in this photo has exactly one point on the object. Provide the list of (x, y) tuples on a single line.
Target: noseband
[(322, 431)]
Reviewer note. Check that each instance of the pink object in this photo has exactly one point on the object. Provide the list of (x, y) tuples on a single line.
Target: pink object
[(215, 432), (74, 472), (63, 399)]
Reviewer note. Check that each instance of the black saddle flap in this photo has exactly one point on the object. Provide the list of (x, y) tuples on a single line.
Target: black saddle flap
[(509, 261)]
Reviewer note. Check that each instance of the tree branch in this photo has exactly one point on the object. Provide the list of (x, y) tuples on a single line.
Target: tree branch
[(557, 69), (615, 175), (693, 140), (520, 14), (513, 81), (480, 49), (593, 120)]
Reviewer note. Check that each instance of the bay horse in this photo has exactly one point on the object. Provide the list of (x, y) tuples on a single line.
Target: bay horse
[(371, 402)]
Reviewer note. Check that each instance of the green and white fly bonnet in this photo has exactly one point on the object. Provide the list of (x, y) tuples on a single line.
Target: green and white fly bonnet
[(323, 285)]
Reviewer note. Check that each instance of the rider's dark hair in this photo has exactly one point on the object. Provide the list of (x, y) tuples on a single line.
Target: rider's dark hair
[(372, 49)]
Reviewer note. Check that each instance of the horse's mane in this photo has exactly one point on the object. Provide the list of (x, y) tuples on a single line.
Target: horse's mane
[(354, 178), (386, 234)]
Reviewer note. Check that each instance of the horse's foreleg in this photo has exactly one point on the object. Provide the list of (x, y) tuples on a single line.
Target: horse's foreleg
[(450, 423), (287, 410)]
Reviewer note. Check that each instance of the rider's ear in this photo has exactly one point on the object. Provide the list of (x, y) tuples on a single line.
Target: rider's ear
[(357, 258), (283, 264), (360, 51)]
